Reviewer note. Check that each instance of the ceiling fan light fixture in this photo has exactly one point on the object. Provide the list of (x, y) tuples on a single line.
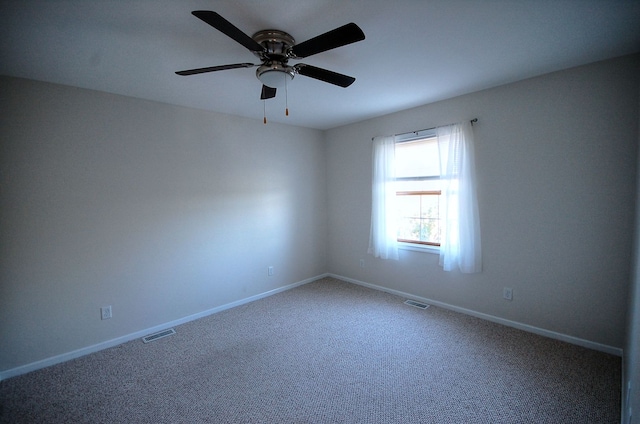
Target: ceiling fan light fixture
[(275, 75)]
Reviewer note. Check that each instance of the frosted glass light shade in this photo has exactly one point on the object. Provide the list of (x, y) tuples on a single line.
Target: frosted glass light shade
[(275, 78)]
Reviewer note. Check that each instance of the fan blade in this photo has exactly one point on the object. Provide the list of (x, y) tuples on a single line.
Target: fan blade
[(227, 28), (346, 34), (324, 75), (215, 68), (267, 93)]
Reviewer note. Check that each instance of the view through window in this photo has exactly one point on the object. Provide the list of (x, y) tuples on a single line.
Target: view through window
[(418, 191)]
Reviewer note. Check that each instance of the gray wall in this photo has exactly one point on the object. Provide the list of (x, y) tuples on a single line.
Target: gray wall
[(556, 165), (631, 385), (159, 211), (164, 212)]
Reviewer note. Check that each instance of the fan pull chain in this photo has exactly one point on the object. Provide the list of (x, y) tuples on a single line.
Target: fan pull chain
[(264, 111), (286, 96)]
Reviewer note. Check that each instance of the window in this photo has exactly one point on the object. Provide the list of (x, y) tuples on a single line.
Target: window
[(424, 191), (418, 190)]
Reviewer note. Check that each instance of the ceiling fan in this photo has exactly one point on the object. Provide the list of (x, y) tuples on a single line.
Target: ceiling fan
[(275, 48)]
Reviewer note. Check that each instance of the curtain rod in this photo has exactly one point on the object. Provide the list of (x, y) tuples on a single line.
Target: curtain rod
[(473, 121)]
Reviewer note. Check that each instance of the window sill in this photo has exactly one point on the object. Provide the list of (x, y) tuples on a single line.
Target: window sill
[(419, 248)]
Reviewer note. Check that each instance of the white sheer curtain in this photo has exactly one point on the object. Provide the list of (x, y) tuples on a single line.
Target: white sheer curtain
[(383, 234), (460, 240)]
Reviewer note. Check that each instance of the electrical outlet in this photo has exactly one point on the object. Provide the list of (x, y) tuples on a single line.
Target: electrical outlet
[(270, 271), (105, 312), (507, 293)]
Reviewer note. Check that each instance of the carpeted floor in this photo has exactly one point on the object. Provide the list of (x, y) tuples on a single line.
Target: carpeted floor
[(326, 352)]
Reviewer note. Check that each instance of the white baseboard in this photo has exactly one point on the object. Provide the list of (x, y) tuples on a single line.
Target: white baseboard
[(23, 369), (536, 330)]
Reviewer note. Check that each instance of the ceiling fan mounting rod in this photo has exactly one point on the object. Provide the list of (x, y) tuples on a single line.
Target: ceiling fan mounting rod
[(276, 44)]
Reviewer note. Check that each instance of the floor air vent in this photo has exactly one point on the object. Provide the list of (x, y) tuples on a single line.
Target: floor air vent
[(416, 304), (158, 335)]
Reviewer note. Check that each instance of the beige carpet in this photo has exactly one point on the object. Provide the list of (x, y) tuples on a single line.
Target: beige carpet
[(326, 352)]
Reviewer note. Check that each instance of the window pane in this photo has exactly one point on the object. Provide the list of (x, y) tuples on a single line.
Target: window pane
[(430, 206), (409, 229), (418, 217), (417, 158), (409, 206)]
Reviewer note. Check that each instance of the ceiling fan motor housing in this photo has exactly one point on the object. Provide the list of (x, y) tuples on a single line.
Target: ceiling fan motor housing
[(274, 71)]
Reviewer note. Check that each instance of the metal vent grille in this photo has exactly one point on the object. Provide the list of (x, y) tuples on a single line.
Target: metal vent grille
[(158, 335), (416, 304)]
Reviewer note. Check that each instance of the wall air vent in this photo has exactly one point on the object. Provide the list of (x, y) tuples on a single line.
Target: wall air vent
[(158, 335), (416, 304)]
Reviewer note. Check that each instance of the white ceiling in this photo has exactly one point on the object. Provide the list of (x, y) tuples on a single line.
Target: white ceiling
[(415, 52)]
